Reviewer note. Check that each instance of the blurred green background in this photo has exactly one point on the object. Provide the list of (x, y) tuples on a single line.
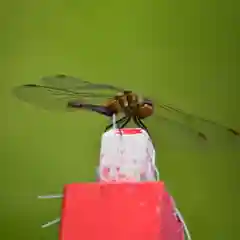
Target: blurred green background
[(182, 51)]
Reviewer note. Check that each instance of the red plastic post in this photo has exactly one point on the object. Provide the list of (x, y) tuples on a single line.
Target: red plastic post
[(119, 211)]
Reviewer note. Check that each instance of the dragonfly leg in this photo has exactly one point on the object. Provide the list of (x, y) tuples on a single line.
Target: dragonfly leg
[(140, 124), (117, 123), (125, 123)]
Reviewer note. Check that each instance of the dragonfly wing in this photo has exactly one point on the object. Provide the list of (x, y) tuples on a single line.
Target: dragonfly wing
[(57, 97), (173, 133), (64, 81), (196, 126), (58, 90), (45, 97), (201, 123), (77, 84)]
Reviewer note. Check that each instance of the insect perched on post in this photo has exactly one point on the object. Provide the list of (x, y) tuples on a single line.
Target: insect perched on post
[(62, 92), (68, 93), (126, 102)]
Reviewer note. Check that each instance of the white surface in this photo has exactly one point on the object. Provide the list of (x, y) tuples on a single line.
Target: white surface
[(126, 157)]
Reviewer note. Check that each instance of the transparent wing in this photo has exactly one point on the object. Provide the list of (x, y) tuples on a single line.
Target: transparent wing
[(170, 133), (57, 91), (178, 122), (45, 97), (76, 84), (56, 98)]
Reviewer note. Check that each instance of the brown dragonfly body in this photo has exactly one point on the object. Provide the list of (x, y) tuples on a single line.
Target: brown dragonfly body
[(64, 92), (127, 103), (131, 105)]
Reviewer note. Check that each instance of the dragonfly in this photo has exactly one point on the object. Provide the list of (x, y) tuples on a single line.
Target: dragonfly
[(68, 93)]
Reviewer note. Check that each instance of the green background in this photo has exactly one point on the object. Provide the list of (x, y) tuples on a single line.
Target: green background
[(182, 51)]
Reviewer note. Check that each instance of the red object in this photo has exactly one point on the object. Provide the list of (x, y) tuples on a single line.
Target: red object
[(128, 131), (118, 211)]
